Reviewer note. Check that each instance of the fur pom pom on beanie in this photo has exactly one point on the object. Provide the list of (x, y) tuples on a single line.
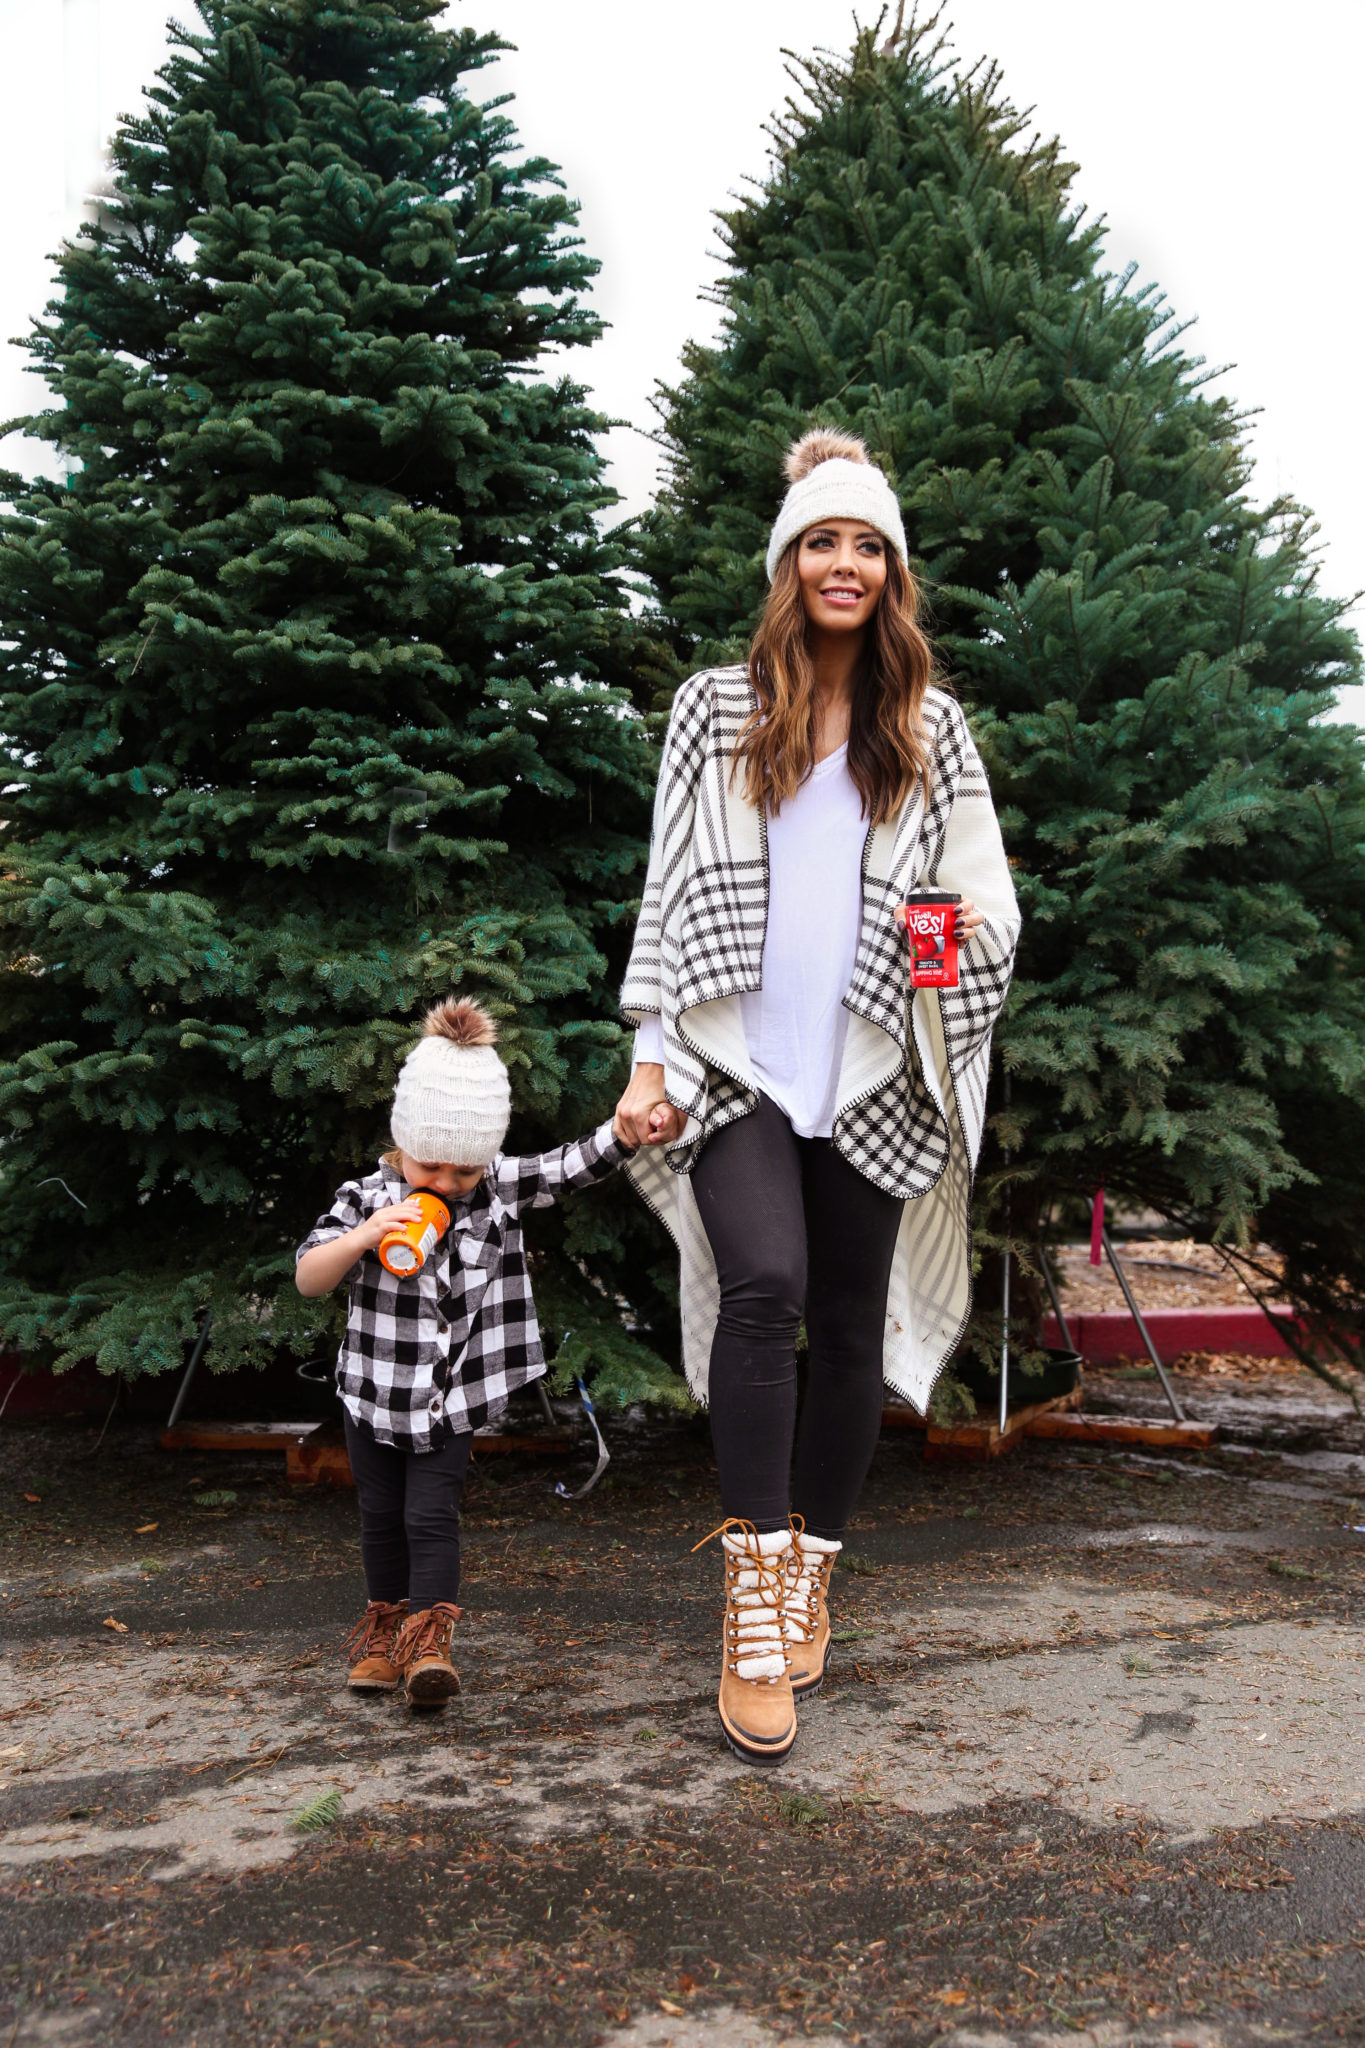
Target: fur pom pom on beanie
[(452, 1103), (832, 477)]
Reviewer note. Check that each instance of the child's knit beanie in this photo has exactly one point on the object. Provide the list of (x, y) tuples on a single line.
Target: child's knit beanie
[(452, 1103), (832, 477)]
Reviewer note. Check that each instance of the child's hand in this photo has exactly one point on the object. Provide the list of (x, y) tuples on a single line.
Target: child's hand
[(378, 1226), (644, 1115), (326, 1265)]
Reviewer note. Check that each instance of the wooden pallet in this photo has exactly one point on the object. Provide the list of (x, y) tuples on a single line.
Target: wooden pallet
[(316, 1451), (984, 1438), (236, 1436), (945, 1443), (1127, 1429), (320, 1457)]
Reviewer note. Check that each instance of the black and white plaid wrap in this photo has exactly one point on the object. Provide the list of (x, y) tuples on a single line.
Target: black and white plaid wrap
[(439, 1351), (912, 1086)]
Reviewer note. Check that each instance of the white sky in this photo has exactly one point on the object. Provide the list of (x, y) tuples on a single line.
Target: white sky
[(1220, 137)]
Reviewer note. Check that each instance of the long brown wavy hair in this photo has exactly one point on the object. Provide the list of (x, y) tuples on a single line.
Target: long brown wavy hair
[(888, 754)]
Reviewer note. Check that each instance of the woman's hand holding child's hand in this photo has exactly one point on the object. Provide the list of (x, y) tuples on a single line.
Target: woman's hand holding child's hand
[(644, 1115)]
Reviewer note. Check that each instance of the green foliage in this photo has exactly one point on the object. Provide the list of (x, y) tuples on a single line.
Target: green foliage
[(950, 1401), (321, 1812), (1145, 654), (317, 682), (802, 1810), (623, 1370)]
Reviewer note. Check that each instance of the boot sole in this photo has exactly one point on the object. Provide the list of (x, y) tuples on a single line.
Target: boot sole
[(374, 1685), (432, 1688), (808, 1692), (756, 1756), (764, 1758)]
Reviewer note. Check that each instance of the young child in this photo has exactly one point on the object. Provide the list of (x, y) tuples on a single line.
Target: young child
[(430, 1356)]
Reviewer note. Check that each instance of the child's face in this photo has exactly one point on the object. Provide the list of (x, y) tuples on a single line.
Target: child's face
[(450, 1182)]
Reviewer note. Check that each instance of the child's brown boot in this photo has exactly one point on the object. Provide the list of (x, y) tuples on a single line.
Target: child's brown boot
[(757, 1713), (423, 1655), (371, 1643), (806, 1616)]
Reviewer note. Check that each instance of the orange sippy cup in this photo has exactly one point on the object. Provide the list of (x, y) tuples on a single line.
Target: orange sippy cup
[(407, 1249)]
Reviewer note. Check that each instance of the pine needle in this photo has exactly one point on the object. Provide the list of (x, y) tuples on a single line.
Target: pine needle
[(799, 1810), (319, 1813)]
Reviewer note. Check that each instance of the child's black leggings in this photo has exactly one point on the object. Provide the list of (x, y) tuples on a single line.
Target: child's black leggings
[(794, 1228), (409, 1516)]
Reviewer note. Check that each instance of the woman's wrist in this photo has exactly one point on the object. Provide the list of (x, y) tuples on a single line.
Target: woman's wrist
[(644, 1113), (649, 1041)]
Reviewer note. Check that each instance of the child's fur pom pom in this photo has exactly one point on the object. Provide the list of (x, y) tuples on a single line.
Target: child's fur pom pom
[(822, 444), (462, 1021)]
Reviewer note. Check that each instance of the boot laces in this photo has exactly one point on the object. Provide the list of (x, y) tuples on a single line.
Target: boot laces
[(755, 1597), (377, 1630), (425, 1634), (808, 1575)]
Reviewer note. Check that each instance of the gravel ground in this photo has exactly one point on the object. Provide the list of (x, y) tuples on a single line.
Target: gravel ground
[(1087, 1767), (1162, 1272)]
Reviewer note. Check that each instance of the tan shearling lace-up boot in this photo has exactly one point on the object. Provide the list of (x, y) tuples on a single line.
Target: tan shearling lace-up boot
[(422, 1653), (757, 1712), (371, 1643), (806, 1612)]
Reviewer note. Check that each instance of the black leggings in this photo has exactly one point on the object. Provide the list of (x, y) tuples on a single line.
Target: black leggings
[(409, 1516), (794, 1227)]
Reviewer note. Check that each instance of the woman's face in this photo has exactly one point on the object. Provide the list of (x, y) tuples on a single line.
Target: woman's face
[(842, 567)]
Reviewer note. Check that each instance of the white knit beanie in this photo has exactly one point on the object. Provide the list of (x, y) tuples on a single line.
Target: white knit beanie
[(832, 478), (452, 1102)]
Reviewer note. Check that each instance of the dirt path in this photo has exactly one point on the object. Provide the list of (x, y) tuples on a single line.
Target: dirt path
[(1087, 1767)]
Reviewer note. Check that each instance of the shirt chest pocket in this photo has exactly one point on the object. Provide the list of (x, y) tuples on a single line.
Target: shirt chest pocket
[(473, 1262)]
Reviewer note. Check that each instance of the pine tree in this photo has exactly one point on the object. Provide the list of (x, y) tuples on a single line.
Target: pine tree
[(1145, 655), (317, 678)]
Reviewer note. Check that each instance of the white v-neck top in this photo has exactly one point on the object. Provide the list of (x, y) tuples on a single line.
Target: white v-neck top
[(795, 1024)]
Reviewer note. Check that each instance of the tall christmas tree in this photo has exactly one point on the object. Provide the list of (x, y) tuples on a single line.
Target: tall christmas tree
[(1145, 654), (316, 680)]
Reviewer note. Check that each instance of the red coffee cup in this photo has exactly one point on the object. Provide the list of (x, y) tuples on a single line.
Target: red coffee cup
[(930, 920)]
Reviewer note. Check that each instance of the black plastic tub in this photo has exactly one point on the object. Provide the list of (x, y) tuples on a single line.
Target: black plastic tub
[(1061, 1375)]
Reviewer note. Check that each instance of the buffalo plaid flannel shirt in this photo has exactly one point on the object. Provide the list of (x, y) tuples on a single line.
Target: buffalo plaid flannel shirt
[(439, 1351)]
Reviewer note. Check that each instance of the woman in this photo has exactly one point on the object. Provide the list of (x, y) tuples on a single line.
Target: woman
[(820, 1128)]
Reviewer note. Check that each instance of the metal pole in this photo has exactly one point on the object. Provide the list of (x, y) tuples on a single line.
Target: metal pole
[(192, 1368), (1136, 1313), (1005, 1348), (1054, 1298), (19, 1374), (1005, 1287)]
